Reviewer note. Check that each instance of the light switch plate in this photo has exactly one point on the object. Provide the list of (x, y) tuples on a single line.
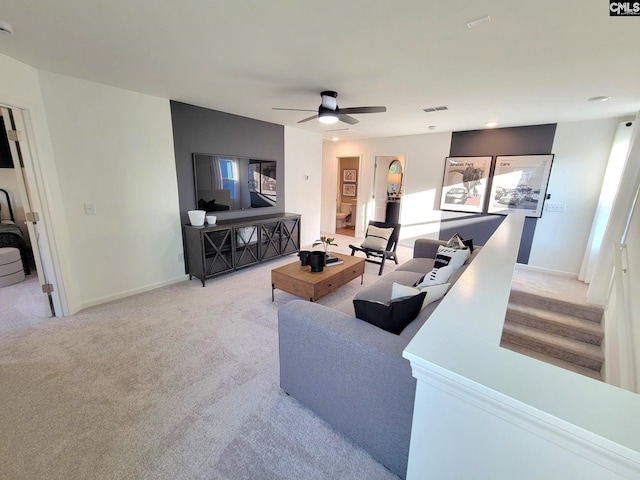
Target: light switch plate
[(89, 209), (555, 207)]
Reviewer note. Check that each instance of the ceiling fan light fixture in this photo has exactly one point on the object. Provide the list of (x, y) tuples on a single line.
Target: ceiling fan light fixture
[(327, 116)]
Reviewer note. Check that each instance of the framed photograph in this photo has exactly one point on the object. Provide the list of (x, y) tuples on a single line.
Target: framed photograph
[(349, 176), (349, 189), (465, 183), (519, 184)]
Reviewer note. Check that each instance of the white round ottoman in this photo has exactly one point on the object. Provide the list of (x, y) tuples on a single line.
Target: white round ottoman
[(11, 270)]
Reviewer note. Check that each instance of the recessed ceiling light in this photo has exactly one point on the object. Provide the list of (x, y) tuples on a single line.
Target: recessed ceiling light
[(432, 127), (602, 98), (491, 124), (334, 139), (5, 27)]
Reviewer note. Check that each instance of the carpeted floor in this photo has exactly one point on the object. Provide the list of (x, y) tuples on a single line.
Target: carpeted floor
[(177, 383)]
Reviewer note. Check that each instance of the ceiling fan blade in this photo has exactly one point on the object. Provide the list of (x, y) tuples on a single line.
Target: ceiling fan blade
[(347, 119), (294, 109), (307, 119), (363, 110)]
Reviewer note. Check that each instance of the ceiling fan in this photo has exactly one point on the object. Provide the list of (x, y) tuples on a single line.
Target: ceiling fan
[(329, 112)]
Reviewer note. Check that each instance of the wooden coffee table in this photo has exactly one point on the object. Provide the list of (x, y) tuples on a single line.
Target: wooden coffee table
[(298, 280)]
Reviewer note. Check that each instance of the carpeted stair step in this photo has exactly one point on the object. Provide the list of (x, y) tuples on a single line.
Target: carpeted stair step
[(558, 323), (574, 351), (552, 360), (592, 313)]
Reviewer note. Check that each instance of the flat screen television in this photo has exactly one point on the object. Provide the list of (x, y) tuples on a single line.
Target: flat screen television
[(226, 182)]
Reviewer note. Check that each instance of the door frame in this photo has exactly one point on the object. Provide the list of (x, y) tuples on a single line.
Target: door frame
[(34, 199), (338, 193)]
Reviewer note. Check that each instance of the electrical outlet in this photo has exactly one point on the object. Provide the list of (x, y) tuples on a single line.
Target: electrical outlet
[(555, 207), (89, 209)]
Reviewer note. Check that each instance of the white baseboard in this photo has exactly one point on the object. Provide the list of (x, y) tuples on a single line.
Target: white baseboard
[(548, 271), (127, 293)]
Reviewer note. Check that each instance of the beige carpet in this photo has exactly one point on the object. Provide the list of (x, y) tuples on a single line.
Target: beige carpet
[(177, 383)]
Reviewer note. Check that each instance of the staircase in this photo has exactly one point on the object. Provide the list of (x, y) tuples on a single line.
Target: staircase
[(555, 331)]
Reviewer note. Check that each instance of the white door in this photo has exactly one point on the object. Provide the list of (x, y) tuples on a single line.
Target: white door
[(21, 155)]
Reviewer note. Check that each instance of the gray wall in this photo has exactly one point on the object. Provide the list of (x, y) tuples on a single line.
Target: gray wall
[(202, 130), (529, 140)]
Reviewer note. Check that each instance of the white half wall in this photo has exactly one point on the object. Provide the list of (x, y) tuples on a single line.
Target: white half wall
[(303, 180), (114, 149)]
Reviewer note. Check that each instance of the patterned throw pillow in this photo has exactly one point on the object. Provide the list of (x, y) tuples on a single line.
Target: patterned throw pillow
[(454, 257), (458, 242), (377, 238), (437, 276)]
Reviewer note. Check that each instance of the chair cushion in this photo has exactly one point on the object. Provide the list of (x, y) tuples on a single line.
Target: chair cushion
[(377, 238), (393, 316)]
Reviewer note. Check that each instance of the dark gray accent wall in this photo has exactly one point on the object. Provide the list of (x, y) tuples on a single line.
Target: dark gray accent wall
[(529, 140), (202, 130)]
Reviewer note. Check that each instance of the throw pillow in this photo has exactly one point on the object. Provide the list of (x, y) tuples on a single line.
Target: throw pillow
[(377, 238), (402, 291), (455, 242), (451, 256), (392, 317), (437, 276), (434, 293), (458, 242)]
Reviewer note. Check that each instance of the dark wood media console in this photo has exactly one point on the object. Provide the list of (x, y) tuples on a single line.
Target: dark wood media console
[(233, 244)]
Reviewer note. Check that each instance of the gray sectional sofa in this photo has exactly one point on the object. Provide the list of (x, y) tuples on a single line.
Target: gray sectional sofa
[(352, 373)]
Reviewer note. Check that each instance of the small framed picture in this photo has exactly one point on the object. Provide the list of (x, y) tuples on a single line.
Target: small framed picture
[(349, 189), (349, 176)]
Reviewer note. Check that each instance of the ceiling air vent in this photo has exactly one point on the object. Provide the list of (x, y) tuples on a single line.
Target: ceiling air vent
[(436, 109)]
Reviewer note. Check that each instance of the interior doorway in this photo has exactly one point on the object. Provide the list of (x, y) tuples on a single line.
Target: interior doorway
[(25, 193), (388, 188), (347, 206)]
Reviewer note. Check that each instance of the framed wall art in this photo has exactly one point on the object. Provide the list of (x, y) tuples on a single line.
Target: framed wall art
[(349, 189), (465, 183), (519, 184), (349, 176)]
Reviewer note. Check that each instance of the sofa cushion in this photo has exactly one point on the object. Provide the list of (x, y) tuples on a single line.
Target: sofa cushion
[(393, 316), (381, 290), (377, 238), (420, 265)]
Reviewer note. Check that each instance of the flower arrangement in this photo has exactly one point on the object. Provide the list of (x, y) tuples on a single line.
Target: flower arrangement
[(325, 242)]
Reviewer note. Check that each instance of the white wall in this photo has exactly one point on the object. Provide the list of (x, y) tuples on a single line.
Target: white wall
[(581, 153), (114, 148), (424, 167), (303, 180)]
